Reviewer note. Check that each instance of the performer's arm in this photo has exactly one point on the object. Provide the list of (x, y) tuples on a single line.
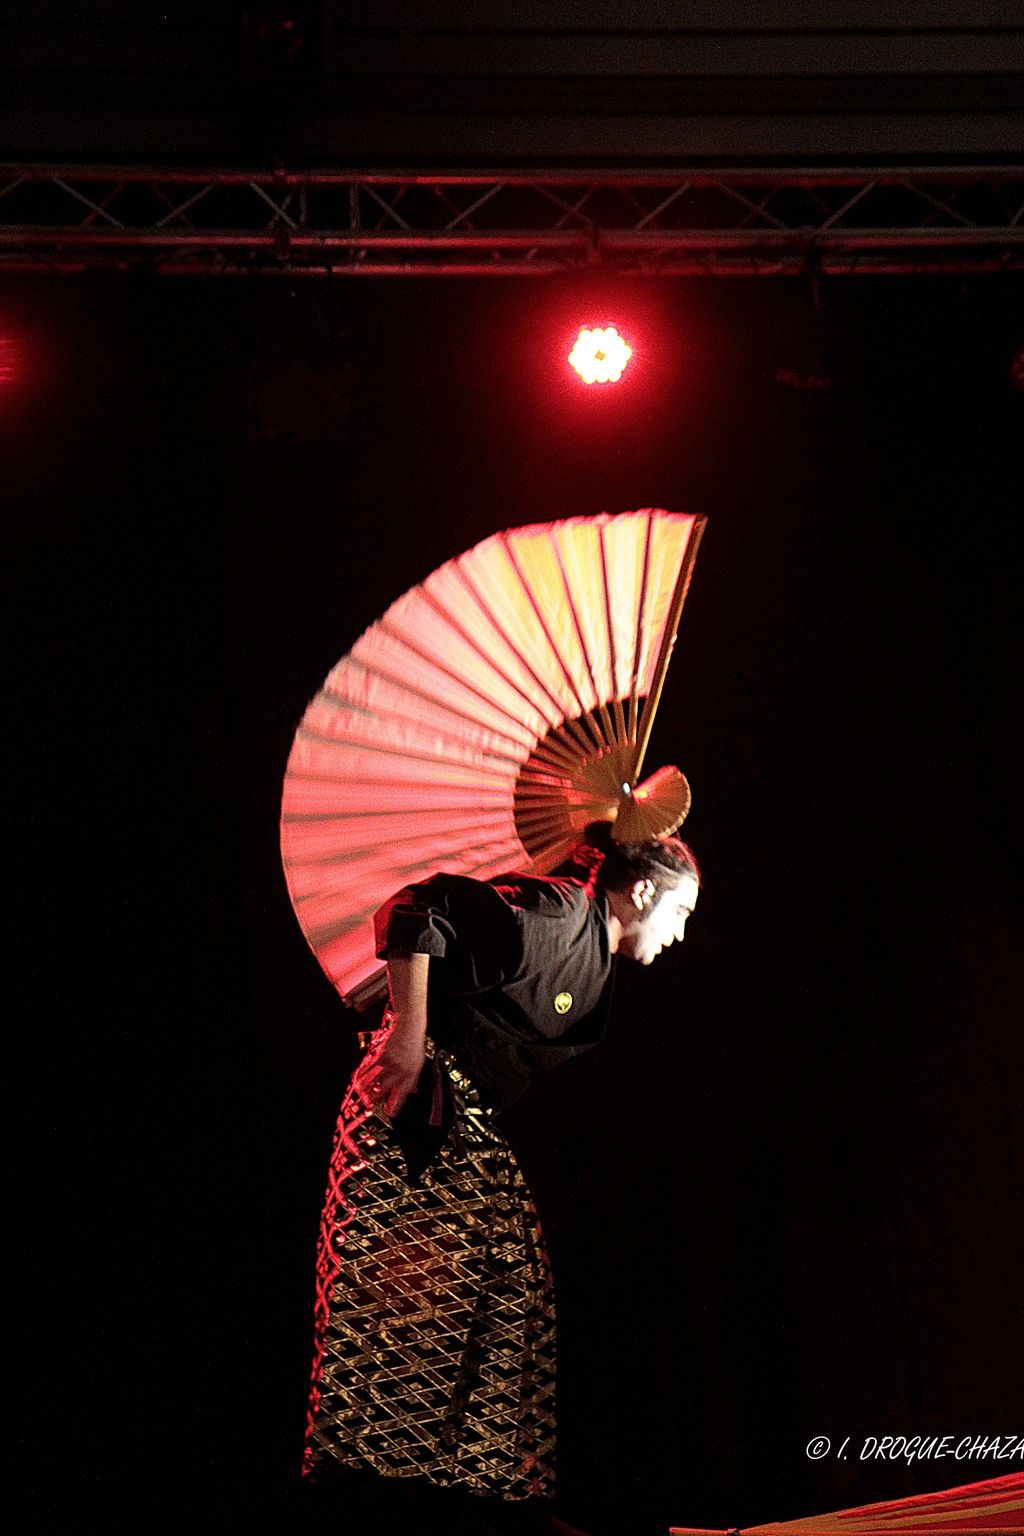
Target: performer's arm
[(401, 1061)]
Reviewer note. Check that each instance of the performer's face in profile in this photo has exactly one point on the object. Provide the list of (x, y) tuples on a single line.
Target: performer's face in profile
[(651, 923)]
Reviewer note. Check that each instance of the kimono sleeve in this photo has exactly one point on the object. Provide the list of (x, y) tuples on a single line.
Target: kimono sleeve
[(462, 923), (412, 923)]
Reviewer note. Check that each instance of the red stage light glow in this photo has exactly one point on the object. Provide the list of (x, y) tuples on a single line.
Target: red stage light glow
[(8, 360), (599, 356)]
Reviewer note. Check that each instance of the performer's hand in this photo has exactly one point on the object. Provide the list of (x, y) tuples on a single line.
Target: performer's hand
[(393, 1075), (390, 1074)]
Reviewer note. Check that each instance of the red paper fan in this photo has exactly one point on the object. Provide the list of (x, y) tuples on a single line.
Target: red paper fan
[(480, 724), (994, 1507)]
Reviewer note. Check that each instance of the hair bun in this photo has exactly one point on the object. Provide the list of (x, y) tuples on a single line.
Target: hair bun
[(598, 834)]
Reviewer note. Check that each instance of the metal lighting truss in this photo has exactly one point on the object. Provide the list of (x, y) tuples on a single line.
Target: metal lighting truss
[(73, 218)]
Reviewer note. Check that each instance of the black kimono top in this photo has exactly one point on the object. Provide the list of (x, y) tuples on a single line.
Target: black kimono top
[(520, 974)]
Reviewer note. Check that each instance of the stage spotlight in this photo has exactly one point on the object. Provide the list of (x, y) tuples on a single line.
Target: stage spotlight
[(599, 356)]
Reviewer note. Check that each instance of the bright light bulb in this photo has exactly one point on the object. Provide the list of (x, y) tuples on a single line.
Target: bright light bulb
[(599, 356)]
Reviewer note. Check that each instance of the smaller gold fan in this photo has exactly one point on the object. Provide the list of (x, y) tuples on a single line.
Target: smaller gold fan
[(560, 791)]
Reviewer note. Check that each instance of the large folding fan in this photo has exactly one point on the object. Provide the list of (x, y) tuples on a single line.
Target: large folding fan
[(482, 723)]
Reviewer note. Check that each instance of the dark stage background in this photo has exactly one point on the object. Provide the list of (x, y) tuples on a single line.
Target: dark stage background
[(783, 1201)]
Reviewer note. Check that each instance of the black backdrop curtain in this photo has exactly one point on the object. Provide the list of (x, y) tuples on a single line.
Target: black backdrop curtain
[(781, 1201)]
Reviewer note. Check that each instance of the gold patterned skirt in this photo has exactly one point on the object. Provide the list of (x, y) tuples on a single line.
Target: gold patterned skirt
[(435, 1317)]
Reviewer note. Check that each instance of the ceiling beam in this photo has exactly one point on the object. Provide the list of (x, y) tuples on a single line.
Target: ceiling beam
[(174, 220)]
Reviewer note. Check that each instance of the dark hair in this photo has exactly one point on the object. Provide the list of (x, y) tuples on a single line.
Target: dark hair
[(617, 866)]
